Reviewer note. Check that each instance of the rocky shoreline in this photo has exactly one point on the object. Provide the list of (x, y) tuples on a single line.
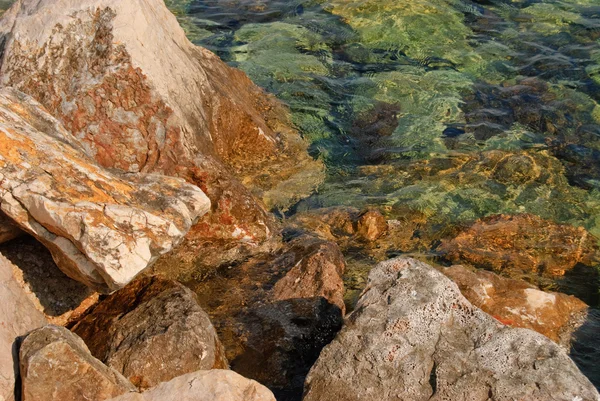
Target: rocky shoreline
[(140, 258)]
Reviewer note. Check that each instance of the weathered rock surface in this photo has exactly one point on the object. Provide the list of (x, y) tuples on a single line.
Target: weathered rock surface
[(124, 79), (282, 340), (413, 336), (152, 331), (56, 365), (518, 304), (318, 271), (523, 243), (211, 385), (18, 316), (102, 229)]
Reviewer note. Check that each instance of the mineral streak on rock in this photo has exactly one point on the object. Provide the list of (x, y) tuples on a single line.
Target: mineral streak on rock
[(413, 336), (102, 229)]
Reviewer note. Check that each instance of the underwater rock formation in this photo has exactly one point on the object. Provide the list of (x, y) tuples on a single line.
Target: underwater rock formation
[(414, 336), (102, 228)]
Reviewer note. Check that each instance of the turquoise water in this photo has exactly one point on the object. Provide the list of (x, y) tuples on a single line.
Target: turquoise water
[(449, 108)]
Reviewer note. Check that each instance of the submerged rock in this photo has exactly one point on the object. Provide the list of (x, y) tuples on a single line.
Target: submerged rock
[(152, 331), (124, 79), (212, 385), (518, 304), (18, 316), (102, 229), (522, 243), (414, 336), (56, 365)]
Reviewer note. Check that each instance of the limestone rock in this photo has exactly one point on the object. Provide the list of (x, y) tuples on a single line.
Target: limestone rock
[(211, 385), (413, 336), (56, 365), (518, 304), (125, 80), (522, 242), (152, 331), (101, 228), (318, 271), (18, 316)]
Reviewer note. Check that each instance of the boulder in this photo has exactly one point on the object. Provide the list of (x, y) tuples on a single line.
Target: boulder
[(152, 331), (318, 269), (211, 385), (518, 304), (125, 80), (102, 228), (282, 341), (18, 316), (56, 365), (522, 242), (413, 336)]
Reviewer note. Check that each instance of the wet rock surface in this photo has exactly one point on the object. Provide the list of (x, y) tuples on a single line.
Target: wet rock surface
[(212, 385), (518, 304), (18, 316), (414, 336), (152, 331), (56, 365), (142, 98), (102, 229)]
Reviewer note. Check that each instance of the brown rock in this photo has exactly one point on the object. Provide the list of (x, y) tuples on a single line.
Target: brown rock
[(523, 243), (371, 225), (318, 272), (122, 77), (18, 316), (211, 385), (518, 304), (56, 365), (152, 331)]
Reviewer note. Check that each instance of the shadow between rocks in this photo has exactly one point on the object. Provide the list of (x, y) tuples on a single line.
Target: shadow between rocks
[(585, 347), (56, 292)]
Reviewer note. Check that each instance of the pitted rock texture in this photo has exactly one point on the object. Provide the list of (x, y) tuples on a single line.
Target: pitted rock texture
[(152, 331), (413, 336), (124, 79), (211, 385), (102, 229), (18, 316), (518, 304), (523, 243), (56, 365)]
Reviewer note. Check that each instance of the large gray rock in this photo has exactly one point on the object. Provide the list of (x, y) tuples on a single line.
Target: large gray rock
[(152, 331), (211, 385), (102, 228), (56, 365), (18, 316), (413, 336)]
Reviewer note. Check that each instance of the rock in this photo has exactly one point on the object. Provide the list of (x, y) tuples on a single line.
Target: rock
[(56, 365), (211, 385), (152, 331), (318, 271), (60, 298), (283, 340), (413, 336), (18, 316), (371, 225), (102, 229), (524, 243), (125, 80), (8, 229), (518, 304)]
